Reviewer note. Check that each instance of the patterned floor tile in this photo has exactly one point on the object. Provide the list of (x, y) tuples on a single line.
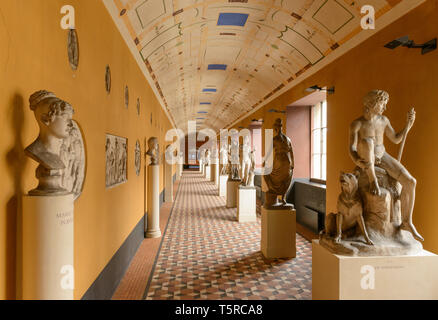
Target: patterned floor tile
[(207, 254)]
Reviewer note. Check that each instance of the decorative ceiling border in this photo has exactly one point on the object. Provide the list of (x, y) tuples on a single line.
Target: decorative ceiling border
[(383, 17)]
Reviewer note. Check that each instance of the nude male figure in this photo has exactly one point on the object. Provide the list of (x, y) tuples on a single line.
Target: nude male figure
[(367, 151)]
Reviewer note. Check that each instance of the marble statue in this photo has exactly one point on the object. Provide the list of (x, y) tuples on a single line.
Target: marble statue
[(59, 147), (202, 159), (234, 164), (251, 172), (207, 157), (224, 159), (246, 160), (376, 204), (137, 158), (153, 151), (116, 160), (279, 181)]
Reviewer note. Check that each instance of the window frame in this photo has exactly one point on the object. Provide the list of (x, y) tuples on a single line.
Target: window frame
[(322, 128)]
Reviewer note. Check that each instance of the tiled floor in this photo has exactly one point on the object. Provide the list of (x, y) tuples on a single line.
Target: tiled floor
[(207, 254)]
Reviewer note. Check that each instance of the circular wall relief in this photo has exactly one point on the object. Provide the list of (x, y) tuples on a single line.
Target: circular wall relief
[(137, 158), (108, 79), (72, 153), (126, 97), (138, 106), (73, 49)]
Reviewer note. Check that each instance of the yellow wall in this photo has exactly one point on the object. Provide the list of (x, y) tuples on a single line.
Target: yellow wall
[(33, 56), (412, 81)]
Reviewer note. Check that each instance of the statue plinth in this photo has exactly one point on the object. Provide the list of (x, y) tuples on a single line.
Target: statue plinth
[(246, 204), (48, 247), (153, 214), (340, 277), (278, 237)]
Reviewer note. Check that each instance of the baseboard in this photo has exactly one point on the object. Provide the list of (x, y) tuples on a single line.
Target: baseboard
[(106, 283)]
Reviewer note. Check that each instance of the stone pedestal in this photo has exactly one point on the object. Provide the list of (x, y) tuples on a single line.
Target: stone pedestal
[(278, 233), (232, 186), (246, 204), (153, 220), (179, 170), (216, 175), (48, 240), (337, 277), (168, 183), (222, 189), (207, 172), (214, 172)]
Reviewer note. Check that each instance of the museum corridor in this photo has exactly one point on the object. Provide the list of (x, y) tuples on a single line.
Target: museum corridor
[(218, 150), (206, 254)]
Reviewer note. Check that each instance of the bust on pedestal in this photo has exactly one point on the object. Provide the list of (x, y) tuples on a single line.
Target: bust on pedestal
[(153, 199), (48, 210), (279, 218)]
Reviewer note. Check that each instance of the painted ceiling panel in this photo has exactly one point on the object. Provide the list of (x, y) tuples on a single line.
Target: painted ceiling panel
[(244, 50)]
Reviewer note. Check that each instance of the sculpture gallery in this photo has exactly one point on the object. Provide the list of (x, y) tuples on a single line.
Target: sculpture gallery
[(59, 148), (376, 204), (279, 180)]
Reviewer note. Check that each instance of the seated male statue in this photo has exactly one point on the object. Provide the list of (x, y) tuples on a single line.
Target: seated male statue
[(367, 151)]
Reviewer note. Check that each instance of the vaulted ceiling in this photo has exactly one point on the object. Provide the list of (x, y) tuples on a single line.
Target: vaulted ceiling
[(215, 60)]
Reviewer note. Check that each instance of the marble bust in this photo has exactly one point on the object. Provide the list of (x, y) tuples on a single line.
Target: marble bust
[(153, 150), (54, 118), (377, 200), (279, 180)]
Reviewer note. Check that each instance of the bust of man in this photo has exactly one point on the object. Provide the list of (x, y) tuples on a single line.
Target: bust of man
[(153, 151), (54, 118)]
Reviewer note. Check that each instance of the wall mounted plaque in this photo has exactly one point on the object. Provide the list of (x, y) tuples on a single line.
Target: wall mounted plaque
[(126, 97), (116, 160), (73, 49), (137, 158), (108, 79)]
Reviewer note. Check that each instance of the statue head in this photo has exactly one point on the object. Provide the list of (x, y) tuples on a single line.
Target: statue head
[(53, 115), (153, 144), (278, 125), (375, 101)]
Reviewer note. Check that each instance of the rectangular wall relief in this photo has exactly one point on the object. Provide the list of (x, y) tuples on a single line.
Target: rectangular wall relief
[(116, 160)]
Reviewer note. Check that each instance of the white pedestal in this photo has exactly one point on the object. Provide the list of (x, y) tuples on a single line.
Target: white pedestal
[(246, 205), (336, 277), (48, 240), (232, 193), (216, 174), (213, 171), (278, 233), (153, 226), (207, 172), (223, 186), (179, 170), (168, 183)]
